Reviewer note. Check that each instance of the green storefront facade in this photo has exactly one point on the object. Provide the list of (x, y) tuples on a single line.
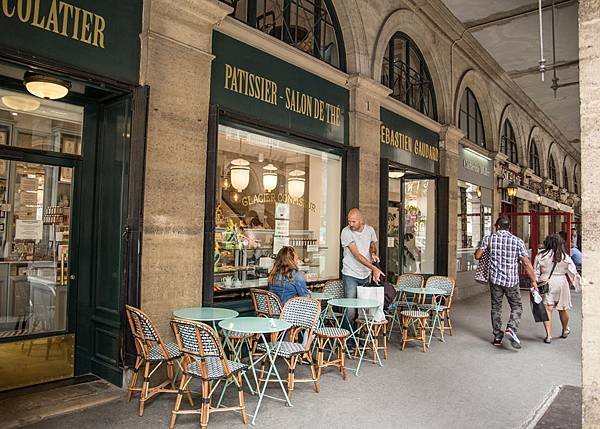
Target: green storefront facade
[(71, 172)]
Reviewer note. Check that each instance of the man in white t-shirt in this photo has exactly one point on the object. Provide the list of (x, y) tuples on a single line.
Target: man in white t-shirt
[(359, 243)]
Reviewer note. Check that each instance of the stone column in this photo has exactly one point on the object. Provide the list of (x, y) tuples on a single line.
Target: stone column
[(589, 90), (176, 64), (450, 137), (365, 96)]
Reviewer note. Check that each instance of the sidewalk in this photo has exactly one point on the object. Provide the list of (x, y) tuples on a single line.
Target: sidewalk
[(462, 383)]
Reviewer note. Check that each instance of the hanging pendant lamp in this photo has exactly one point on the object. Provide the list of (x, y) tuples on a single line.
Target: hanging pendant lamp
[(269, 177), (240, 174), (296, 183)]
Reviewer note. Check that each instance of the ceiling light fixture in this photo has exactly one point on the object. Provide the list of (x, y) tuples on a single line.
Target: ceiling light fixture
[(296, 183), (269, 177), (47, 87), (20, 102), (240, 174)]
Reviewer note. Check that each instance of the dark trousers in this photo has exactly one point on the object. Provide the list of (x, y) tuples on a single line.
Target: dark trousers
[(513, 295)]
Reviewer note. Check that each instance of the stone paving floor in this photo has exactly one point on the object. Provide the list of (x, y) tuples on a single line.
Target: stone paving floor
[(462, 383)]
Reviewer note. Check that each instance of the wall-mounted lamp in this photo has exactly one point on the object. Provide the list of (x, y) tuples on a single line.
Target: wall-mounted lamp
[(396, 174), (46, 87), (539, 199), (511, 191), (478, 192)]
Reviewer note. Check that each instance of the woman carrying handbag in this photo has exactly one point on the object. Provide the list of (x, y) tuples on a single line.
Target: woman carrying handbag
[(552, 266)]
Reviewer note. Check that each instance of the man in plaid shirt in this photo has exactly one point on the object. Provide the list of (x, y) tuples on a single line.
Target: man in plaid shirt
[(505, 251)]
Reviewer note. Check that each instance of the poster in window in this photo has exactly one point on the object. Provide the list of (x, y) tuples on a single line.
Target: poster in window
[(70, 144), (65, 174)]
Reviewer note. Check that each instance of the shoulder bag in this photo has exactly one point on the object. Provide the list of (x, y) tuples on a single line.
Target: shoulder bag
[(482, 272), (544, 285)]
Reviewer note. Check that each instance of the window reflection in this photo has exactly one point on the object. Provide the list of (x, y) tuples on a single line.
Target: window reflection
[(419, 226)]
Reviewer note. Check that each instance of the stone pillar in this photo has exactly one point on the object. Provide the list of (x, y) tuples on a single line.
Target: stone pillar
[(589, 90), (176, 64), (450, 137), (365, 96)]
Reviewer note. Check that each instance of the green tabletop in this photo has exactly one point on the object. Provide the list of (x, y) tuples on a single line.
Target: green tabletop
[(354, 302), (424, 290), (321, 296), (205, 314), (255, 325)]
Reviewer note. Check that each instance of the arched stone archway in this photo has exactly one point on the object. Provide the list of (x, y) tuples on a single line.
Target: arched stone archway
[(409, 23), (510, 113), (475, 82), (353, 33)]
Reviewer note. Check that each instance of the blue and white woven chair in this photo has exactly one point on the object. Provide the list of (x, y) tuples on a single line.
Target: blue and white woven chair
[(403, 300), (203, 358), (335, 288), (152, 351), (266, 303), (303, 314), (440, 304)]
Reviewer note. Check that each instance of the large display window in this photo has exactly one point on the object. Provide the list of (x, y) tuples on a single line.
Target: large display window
[(271, 193), (474, 223)]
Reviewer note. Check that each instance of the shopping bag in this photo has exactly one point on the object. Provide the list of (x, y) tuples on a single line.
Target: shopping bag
[(375, 293), (389, 293), (538, 310), (482, 272)]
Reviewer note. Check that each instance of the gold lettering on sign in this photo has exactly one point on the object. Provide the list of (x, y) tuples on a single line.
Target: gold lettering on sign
[(263, 89), (407, 143), (58, 17), (269, 197)]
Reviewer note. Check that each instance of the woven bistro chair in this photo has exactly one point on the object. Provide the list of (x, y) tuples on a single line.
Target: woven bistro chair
[(204, 358), (151, 351), (379, 331), (414, 320), (403, 300), (266, 303), (443, 304), (303, 314), (335, 288)]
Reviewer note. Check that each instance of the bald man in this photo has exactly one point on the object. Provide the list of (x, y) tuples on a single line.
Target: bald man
[(359, 243)]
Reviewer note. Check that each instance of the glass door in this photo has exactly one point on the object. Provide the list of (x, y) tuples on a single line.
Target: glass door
[(419, 225), (40, 143)]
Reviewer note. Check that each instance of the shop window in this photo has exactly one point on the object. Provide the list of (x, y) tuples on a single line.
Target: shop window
[(565, 178), (508, 143), (404, 71), (273, 193), (309, 25), (35, 214), (534, 158), (470, 119), (474, 223), (552, 171), (419, 226)]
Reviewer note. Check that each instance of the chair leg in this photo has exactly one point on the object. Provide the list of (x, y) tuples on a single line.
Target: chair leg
[(241, 398), (320, 353), (385, 341), (205, 410), (291, 369), (449, 321), (171, 374), (314, 372), (342, 351), (178, 401), (134, 377), (404, 332), (145, 387), (423, 336)]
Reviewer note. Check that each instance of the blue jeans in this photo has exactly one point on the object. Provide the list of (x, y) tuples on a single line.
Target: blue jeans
[(350, 285)]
